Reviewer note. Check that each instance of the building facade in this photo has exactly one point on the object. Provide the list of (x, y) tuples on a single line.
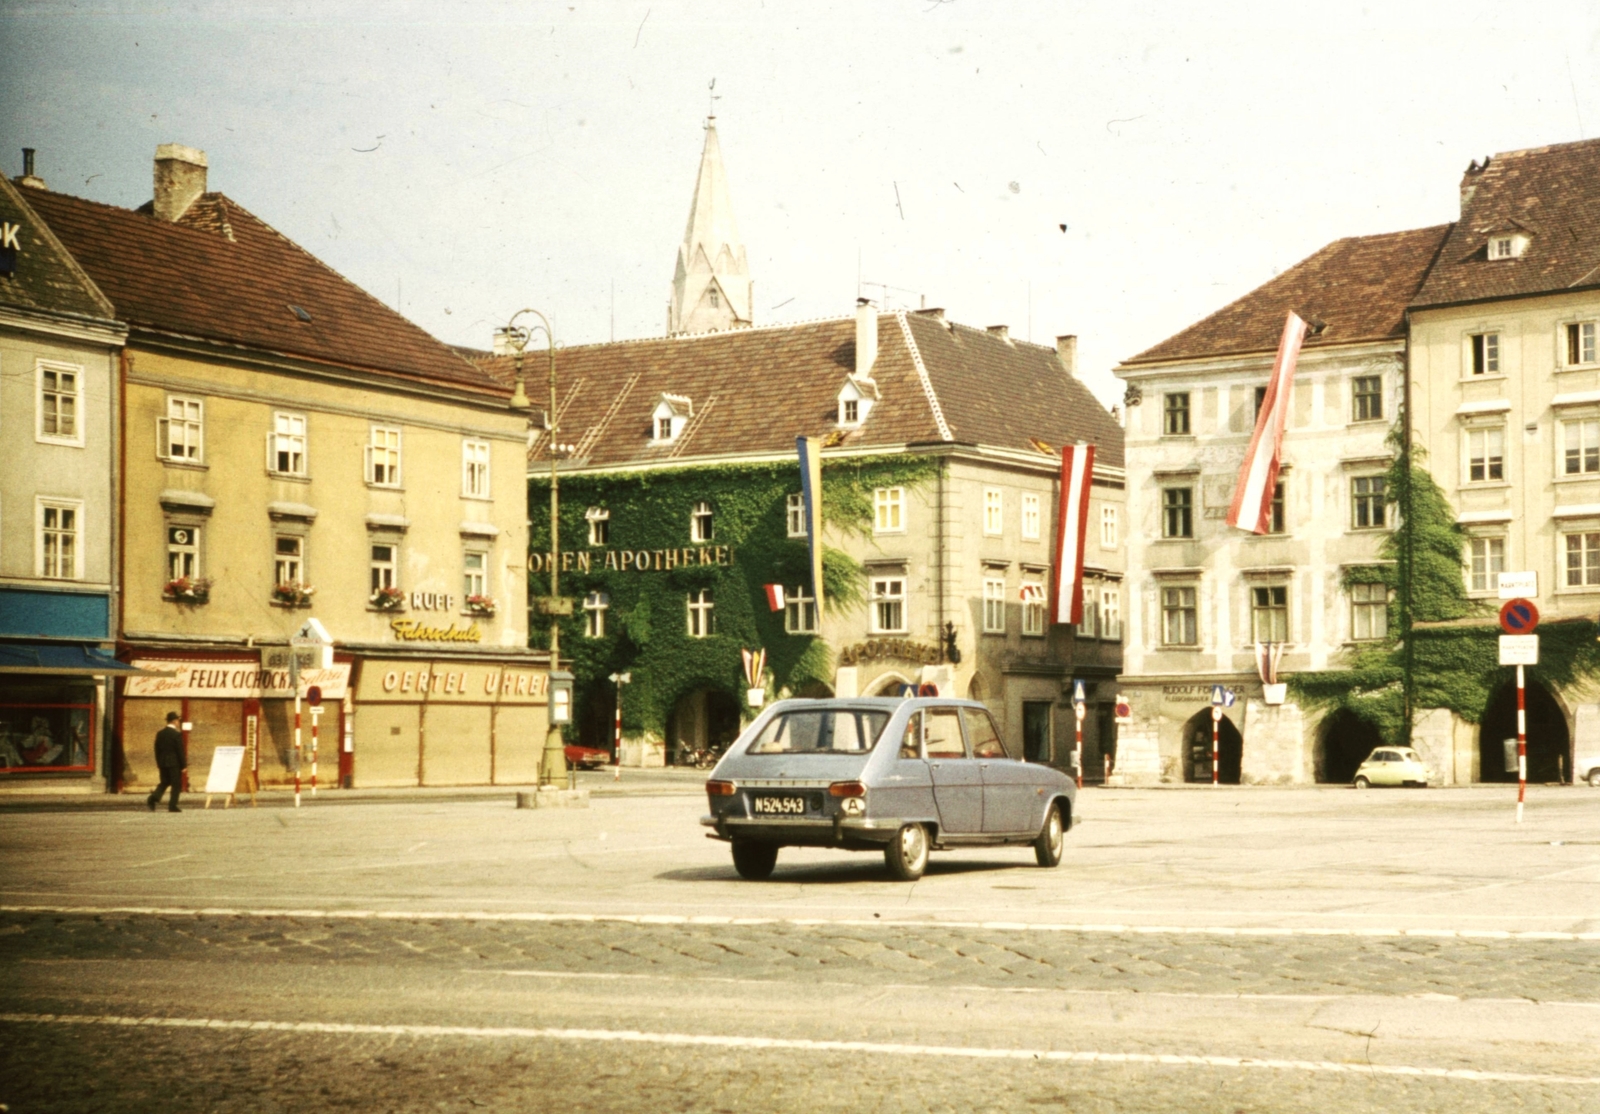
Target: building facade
[(295, 450), (59, 347)]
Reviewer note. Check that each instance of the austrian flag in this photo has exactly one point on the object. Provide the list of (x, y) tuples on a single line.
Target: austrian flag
[(774, 597), (1258, 478), (1072, 525)]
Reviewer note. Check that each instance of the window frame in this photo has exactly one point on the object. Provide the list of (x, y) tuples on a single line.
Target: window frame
[(164, 426), (598, 520), (1379, 607), (1175, 513), (1366, 405), (1484, 354), (191, 549), (794, 511), (280, 558), (994, 605), (1584, 424), (1277, 513), (479, 469), (1110, 527), (58, 368), (467, 572), (888, 503), (1089, 621), (1470, 436), (1269, 602), (1030, 516), (42, 550), (881, 599), (1111, 612), (1357, 498), (1576, 338), (1176, 410), (595, 606), (700, 612), (1035, 605), (1184, 608), (994, 512), (376, 568), (799, 611), (1489, 574), (289, 417), (850, 411), (374, 432), (702, 521), (1589, 555)]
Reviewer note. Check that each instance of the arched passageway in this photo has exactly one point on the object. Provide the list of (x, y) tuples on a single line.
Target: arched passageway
[(1343, 743), (1197, 749), (597, 710), (1549, 743), (701, 718)]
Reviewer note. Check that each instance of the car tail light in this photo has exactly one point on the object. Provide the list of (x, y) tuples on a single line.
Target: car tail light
[(719, 788), (847, 789)]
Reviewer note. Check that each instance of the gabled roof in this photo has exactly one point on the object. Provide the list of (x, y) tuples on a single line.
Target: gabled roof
[(220, 274), (755, 390), (46, 279), (1356, 289), (1553, 194)]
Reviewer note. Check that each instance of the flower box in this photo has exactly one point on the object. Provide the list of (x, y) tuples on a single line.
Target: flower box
[(292, 594), (188, 589), (388, 599), (480, 605)]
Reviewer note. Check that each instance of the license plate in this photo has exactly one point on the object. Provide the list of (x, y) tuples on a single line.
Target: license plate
[(779, 806)]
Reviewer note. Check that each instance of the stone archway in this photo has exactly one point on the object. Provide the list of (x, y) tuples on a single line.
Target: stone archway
[(1344, 740), (1549, 742), (888, 684), (700, 718), (1197, 749)]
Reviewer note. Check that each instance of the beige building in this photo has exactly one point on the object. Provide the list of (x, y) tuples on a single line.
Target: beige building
[(296, 450), (1505, 357), (59, 345)]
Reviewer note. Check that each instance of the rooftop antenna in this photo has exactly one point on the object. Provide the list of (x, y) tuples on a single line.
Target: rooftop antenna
[(711, 100)]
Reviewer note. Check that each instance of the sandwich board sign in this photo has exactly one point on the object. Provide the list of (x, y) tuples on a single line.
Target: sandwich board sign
[(224, 775)]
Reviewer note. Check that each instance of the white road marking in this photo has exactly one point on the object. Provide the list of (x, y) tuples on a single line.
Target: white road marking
[(965, 989), (708, 1040), (158, 862), (804, 922)]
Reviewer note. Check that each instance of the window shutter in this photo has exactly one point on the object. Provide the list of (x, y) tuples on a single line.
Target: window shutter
[(270, 461), (366, 462), (163, 438)]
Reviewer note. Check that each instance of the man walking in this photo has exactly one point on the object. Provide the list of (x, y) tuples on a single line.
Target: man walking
[(171, 761)]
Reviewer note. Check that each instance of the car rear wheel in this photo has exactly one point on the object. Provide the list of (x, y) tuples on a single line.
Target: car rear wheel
[(907, 853), (754, 860), (1363, 783), (1047, 848)]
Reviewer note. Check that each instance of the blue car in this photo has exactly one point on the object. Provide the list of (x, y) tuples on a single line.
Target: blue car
[(896, 776)]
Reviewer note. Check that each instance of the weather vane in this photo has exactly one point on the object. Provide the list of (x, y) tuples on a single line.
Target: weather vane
[(711, 100)]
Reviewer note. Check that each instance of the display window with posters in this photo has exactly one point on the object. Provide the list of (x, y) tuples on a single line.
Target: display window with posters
[(47, 727)]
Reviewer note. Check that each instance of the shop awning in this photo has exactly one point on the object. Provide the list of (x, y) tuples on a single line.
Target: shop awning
[(58, 657)]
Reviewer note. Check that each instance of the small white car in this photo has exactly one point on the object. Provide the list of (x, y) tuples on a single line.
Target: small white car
[(1393, 766), (1588, 767)]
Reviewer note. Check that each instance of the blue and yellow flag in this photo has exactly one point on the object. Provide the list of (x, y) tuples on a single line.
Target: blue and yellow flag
[(810, 449)]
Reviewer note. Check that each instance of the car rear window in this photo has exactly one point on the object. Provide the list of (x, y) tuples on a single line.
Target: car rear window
[(822, 731)]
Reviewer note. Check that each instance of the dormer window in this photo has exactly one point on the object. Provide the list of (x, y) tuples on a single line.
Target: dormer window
[(669, 417), (1506, 245), (856, 399)]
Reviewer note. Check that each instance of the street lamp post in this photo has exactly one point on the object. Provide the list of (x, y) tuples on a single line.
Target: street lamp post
[(513, 339)]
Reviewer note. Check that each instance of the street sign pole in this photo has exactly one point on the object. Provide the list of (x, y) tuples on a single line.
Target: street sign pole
[(1519, 646), (294, 683), (1077, 745), (1522, 746), (1216, 719)]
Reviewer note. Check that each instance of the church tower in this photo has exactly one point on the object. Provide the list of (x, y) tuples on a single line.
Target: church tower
[(711, 287)]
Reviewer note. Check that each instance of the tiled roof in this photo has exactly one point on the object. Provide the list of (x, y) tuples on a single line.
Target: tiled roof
[(221, 274), (1357, 289), (756, 390), (1553, 194), (46, 279)]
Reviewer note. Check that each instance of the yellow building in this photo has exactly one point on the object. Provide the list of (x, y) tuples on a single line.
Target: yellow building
[(295, 450)]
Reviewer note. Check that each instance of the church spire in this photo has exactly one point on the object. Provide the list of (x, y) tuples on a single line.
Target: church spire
[(711, 287)]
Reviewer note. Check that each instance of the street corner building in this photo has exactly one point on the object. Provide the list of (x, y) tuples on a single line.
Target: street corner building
[(289, 449), (1483, 330), (59, 345)]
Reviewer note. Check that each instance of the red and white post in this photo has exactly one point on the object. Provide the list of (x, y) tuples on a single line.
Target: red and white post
[(1216, 720), (1077, 745), (316, 714), (297, 743), (1522, 746)]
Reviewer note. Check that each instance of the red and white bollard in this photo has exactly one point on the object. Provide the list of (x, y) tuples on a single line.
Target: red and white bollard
[(616, 740), (1077, 746), (316, 713), (1522, 746), (1216, 720), (297, 746)]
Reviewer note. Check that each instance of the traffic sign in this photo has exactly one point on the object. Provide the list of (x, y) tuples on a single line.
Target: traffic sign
[(314, 695), (1519, 649), (1519, 585), (1519, 616), (1079, 693), (1124, 710), (1219, 696)]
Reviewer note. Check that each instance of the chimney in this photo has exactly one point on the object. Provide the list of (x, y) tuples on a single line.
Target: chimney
[(180, 178), (1469, 182), (1001, 331), (866, 337), (1067, 352), (29, 179)]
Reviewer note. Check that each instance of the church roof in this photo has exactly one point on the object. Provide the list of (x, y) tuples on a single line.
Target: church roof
[(755, 390), (1552, 194), (1353, 290), (221, 274), (712, 253)]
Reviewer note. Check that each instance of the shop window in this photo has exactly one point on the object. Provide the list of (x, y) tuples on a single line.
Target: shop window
[(994, 605), (1486, 560), (60, 403), (994, 511), (888, 605), (286, 444), (47, 727), (60, 554), (888, 506), (599, 520), (701, 522), (795, 515), (1369, 611), (1177, 512), (1178, 617), (595, 606), (1269, 613), (702, 613), (799, 611), (180, 435), (383, 457), (475, 469)]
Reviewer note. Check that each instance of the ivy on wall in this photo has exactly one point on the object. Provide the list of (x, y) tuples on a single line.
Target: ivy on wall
[(647, 620), (1455, 667)]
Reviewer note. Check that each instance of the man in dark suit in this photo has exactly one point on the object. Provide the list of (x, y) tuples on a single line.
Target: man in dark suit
[(171, 761)]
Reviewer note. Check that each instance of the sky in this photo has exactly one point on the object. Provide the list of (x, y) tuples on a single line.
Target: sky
[(465, 160)]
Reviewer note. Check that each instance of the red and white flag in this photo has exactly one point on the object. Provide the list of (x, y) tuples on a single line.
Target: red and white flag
[(1072, 524), (775, 597), (1258, 478)]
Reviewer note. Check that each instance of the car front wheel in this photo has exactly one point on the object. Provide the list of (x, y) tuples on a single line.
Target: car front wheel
[(754, 860), (1363, 783), (1047, 848), (907, 853)]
